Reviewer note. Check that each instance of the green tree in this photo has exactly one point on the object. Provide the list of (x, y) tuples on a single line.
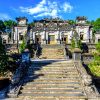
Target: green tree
[(96, 24), (2, 26), (72, 43), (9, 24), (79, 43), (22, 46), (31, 24), (71, 22), (3, 57), (94, 66)]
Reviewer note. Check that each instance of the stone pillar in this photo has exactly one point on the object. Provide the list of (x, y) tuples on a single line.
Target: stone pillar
[(77, 54)]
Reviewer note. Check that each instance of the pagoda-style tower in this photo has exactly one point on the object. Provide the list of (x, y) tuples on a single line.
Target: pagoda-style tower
[(22, 21), (83, 29), (20, 29)]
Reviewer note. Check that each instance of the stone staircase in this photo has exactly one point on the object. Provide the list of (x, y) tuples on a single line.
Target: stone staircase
[(52, 80), (52, 52)]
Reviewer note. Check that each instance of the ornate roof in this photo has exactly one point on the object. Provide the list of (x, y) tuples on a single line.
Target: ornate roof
[(21, 18), (49, 20), (81, 18), (52, 25)]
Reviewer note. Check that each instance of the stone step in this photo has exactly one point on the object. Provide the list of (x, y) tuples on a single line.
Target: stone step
[(51, 82), (46, 70), (56, 55), (54, 82), (52, 78), (46, 57), (56, 72), (46, 81), (59, 67), (59, 76), (50, 55), (52, 88), (51, 63), (52, 85), (49, 98), (52, 68), (70, 95), (39, 86), (52, 92)]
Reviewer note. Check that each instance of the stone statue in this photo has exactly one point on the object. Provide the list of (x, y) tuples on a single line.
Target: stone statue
[(76, 38)]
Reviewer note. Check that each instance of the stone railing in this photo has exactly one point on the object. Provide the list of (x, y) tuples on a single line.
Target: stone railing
[(87, 81), (20, 73), (17, 80), (88, 85)]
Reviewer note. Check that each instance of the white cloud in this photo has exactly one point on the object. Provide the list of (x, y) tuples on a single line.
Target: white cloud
[(4, 16), (48, 8), (67, 7)]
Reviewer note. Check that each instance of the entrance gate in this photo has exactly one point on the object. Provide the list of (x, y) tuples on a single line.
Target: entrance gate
[(51, 39), (65, 39)]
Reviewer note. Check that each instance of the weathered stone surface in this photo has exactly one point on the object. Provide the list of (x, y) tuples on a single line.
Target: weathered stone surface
[(54, 80), (89, 87)]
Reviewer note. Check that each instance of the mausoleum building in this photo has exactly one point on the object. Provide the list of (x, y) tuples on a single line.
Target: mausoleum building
[(53, 31)]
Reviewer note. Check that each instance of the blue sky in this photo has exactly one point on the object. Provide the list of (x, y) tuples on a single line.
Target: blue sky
[(37, 9)]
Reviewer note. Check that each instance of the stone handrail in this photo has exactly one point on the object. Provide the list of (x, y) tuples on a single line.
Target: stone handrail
[(89, 87), (17, 80)]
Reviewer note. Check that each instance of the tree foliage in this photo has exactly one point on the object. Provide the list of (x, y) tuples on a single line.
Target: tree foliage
[(2, 26), (98, 47), (94, 66), (71, 22), (79, 43), (22, 46), (72, 43), (96, 24), (3, 57), (10, 23)]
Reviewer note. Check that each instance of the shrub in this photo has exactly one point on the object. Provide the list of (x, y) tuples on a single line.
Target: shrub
[(72, 43), (22, 46), (98, 47), (94, 66), (79, 43), (3, 58)]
